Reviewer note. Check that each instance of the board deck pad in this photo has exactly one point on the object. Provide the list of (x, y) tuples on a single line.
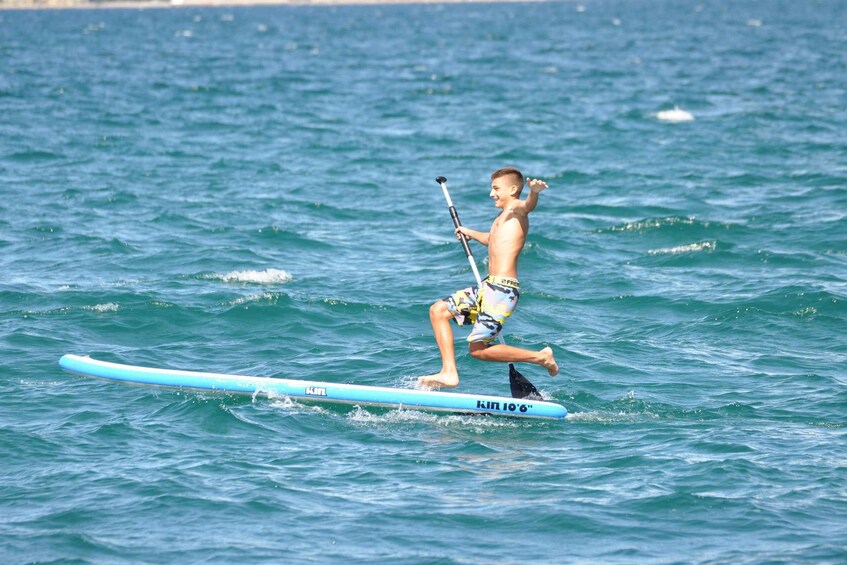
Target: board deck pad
[(315, 391)]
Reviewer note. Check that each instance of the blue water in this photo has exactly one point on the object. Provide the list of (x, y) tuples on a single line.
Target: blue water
[(251, 191)]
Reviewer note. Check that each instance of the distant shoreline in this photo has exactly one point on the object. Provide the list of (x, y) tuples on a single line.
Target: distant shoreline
[(144, 4)]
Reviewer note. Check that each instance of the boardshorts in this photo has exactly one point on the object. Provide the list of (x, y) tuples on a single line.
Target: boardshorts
[(486, 310)]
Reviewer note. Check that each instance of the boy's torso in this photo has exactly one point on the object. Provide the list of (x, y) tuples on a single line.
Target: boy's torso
[(506, 240)]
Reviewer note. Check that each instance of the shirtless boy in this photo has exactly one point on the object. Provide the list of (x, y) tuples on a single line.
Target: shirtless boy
[(500, 289)]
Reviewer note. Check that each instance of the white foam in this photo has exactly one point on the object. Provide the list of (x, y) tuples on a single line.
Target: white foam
[(676, 115), (268, 276), (409, 381), (651, 223), (264, 297), (362, 416), (109, 307), (471, 422), (609, 417), (809, 311), (688, 248)]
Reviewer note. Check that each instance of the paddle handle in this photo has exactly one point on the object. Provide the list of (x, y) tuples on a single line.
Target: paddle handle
[(454, 215), (464, 239)]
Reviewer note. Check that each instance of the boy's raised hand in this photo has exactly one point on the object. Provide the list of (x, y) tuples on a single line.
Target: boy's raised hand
[(536, 185)]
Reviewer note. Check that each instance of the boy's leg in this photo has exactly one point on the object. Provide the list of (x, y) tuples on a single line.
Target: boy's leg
[(508, 354), (439, 317), (499, 299)]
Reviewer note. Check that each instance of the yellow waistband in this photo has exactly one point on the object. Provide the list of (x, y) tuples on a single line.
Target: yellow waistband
[(504, 281)]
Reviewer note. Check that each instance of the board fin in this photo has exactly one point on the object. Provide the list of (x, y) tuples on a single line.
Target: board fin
[(520, 385)]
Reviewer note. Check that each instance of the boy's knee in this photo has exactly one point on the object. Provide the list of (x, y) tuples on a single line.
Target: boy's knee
[(439, 310)]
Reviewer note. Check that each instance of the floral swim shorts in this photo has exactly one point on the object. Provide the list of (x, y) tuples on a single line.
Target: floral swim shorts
[(488, 310)]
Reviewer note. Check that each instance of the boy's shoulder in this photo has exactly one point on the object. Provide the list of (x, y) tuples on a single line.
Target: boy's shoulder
[(516, 208)]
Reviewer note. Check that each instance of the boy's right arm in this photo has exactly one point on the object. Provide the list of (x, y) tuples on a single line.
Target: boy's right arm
[(479, 236)]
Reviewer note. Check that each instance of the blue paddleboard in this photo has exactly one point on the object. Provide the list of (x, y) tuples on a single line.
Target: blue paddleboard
[(313, 391)]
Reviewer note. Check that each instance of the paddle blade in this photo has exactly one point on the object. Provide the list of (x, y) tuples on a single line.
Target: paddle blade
[(521, 387)]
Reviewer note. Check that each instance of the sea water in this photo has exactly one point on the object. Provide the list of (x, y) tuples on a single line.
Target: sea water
[(251, 190)]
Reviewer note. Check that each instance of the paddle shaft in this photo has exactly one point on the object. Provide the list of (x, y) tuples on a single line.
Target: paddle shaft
[(464, 239)]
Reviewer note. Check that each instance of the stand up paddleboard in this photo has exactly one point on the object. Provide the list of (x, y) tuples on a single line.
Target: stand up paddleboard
[(312, 391)]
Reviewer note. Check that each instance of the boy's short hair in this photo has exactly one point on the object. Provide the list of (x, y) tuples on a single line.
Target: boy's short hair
[(507, 171)]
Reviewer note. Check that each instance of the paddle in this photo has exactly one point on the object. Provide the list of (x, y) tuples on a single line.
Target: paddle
[(520, 385)]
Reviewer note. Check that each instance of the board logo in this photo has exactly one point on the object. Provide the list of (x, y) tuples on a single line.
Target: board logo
[(315, 391), (506, 406)]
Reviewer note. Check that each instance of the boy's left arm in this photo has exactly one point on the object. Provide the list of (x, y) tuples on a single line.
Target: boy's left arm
[(535, 187)]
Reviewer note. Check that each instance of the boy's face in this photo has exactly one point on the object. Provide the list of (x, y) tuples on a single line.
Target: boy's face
[(503, 190)]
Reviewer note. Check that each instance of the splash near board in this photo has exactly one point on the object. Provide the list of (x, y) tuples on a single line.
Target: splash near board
[(314, 391)]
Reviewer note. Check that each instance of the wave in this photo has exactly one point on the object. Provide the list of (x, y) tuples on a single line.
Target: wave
[(468, 422), (102, 308), (687, 248), (33, 155), (268, 276), (264, 298), (630, 408), (671, 231), (647, 224), (791, 302), (376, 417), (676, 115), (280, 236)]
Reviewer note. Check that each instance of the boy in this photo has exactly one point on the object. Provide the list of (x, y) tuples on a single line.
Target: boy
[(500, 289)]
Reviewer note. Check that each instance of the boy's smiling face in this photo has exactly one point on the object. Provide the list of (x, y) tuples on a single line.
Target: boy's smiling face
[(503, 190)]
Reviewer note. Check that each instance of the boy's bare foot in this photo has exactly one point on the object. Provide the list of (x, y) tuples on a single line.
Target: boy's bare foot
[(549, 362), (440, 380)]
